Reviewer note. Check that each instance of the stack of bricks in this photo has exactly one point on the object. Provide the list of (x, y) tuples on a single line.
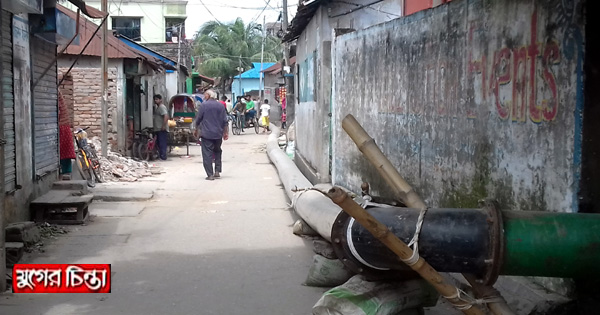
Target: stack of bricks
[(87, 101)]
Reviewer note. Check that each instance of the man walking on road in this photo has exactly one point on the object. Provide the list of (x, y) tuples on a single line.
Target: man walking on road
[(161, 126), (213, 125)]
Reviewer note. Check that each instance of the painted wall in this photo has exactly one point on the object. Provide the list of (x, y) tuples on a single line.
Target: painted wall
[(414, 6), (171, 84), (152, 14), (247, 85), (313, 55), (469, 100)]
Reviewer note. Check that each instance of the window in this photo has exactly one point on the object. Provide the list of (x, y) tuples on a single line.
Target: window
[(127, 26), (172, 27)]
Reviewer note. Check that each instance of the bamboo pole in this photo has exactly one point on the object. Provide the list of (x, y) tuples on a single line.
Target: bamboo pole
[(369, 148), (382, 233), (405, 192), (498, 306)]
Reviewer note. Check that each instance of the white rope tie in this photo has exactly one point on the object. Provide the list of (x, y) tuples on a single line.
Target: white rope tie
[(414, 242), (299, 191), (468, 301)]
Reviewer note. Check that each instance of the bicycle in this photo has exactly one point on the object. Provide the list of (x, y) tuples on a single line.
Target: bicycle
[(254, 123), (88, 162), (147, 148), (236, 126)]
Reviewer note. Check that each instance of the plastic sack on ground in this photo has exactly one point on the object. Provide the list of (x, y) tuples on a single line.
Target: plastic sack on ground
[(327, 272), (290, 150), (302, 228), (360, 297)]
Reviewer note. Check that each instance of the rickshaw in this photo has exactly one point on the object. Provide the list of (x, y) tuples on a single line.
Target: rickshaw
[(182, 109)]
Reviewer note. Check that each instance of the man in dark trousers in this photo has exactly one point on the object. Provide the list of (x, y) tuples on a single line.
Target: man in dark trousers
[(213, 125), (161, 126)]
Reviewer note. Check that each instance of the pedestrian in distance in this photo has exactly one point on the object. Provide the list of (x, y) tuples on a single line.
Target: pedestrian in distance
[(161, 126), (224, 101), (250, 108), (239, 110), (283, 115), (213, 125), (264, 115)]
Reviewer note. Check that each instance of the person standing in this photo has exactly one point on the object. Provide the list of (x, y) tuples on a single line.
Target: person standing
[(283, 114), (161, 126), (212, 122), (65, 134), (264, 115)]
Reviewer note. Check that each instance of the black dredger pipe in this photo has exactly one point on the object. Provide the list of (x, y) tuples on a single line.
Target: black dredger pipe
[(451, 240), (484, 242)]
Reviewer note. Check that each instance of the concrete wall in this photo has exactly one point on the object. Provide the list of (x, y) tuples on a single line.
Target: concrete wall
[(469, 100), (313, 55), (156, 85), (272, 82), (152, 14)]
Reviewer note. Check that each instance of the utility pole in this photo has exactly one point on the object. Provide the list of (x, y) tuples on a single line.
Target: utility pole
[(290, 108), (240, 70), (178, 54), (104, 85), (262, 53)]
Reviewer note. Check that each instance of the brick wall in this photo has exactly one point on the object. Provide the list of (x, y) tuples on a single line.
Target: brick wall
[(171, 51), (66, 89), (86, 98)]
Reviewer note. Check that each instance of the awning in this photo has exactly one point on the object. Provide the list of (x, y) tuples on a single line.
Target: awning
[(88, 10)]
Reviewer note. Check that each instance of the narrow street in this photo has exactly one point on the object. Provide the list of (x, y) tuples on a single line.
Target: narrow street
[(197, 247)]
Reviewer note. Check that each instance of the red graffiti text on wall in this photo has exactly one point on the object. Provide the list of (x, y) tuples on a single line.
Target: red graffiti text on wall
[(520, 67)]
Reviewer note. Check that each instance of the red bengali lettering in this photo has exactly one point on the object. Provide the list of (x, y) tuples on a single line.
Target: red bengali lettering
[(61, 278)]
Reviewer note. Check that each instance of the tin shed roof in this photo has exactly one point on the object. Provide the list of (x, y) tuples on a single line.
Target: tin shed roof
[(254, 73), (116, 49)]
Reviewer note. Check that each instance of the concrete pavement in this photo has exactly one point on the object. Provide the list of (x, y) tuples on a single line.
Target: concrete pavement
[(197, 247)]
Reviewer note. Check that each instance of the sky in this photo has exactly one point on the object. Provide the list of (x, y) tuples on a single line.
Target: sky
[(201, 11)]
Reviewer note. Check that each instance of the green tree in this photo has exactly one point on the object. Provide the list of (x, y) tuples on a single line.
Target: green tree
[(221, 48)]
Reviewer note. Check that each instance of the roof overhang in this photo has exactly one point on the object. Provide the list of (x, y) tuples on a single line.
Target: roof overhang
[(88, 10), (306, 11)]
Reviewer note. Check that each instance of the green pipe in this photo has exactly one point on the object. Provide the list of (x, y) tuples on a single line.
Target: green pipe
[(551, 244)]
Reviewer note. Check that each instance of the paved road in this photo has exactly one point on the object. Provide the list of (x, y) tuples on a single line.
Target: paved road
[(199, 247)]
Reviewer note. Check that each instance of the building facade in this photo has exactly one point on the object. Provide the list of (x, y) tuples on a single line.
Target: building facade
[(132, 75), (313, 30), (158, 25), (147, 21), (249, 82)]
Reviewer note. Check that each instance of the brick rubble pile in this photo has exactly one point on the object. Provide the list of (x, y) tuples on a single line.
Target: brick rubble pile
[(117, 168)]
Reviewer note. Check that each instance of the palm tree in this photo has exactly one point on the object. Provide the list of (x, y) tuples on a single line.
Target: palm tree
[(222, 47)]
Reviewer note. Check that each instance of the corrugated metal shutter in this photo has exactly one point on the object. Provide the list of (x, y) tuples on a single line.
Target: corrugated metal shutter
[(45, 107), (10, 170)]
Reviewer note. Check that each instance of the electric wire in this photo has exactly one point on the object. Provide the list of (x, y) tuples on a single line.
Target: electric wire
[(207, 9)]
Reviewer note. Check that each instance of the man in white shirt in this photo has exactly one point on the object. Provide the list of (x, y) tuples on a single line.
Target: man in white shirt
[(264, 115)]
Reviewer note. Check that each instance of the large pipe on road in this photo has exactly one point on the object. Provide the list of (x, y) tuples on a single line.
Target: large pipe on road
[(312, 206), (486, 242)]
